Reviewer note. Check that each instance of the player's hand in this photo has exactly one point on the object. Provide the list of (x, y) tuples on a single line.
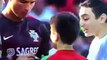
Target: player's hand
[(26, 57)]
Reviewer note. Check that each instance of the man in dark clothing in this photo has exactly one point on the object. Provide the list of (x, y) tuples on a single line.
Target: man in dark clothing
[(22, 37)]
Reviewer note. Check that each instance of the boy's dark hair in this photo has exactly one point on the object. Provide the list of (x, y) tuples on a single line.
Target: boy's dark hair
[(67, 26), (98, 7)]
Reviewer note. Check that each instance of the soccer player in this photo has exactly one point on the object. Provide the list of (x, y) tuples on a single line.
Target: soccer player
[(21, 36)]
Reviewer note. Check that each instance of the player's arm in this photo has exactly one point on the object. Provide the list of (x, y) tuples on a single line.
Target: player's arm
[(45, 44)]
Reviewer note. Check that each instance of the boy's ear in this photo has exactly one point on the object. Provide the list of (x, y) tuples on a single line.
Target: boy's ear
[(103, 18), (57, 37)]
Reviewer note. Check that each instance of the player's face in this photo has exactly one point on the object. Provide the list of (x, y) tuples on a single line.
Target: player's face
[(21, 8), (88, 21)]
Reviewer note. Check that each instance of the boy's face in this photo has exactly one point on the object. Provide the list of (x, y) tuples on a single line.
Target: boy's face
[(20, 8), (53, 33), (88, 21)]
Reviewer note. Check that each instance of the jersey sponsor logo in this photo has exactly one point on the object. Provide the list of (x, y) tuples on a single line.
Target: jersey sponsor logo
[(26, 51), (34, 35), (8, 37), (10, 52), (22, 51)]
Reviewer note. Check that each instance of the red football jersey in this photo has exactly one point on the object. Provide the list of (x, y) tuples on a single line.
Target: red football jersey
[(66, 55)]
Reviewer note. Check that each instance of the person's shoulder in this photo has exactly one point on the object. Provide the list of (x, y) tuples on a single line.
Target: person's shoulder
[(55, 56)]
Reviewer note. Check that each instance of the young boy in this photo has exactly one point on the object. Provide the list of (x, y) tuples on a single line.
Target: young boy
[(64, 31), (93, 18)]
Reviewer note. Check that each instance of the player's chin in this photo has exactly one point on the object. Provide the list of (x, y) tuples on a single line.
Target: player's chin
[(22, 16), (87, 35)]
